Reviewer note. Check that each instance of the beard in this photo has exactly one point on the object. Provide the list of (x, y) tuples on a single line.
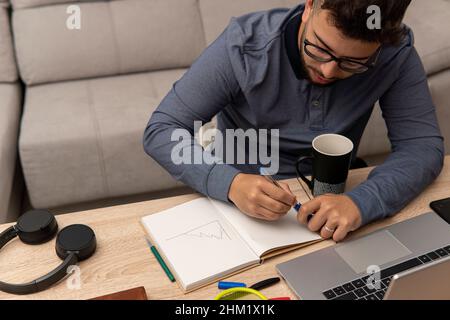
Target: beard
[(307, 69)]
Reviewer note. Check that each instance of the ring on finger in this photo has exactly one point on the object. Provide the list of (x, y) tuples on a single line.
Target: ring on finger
[(329, 230)]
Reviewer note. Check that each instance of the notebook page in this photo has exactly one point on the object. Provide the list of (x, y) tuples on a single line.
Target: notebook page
[(263, 236), (198, 244)]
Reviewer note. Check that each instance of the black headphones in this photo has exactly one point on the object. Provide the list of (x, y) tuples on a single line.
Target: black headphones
[(73, 243)]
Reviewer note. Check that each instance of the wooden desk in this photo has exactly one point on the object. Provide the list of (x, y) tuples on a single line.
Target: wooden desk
[(123, 259)]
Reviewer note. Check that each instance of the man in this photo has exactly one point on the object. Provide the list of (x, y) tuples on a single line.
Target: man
[(311, 70)]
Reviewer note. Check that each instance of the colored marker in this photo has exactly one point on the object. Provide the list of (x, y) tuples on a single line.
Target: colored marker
[(161, 261), (265, 283), (223, 285)]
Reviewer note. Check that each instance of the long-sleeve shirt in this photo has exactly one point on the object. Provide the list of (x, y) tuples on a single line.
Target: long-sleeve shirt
[(250, 78)]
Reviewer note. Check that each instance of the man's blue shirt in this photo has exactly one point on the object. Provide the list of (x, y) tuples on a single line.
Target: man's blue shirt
[(249, 79)]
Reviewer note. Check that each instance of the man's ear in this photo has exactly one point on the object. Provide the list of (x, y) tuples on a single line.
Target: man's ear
[(309, 5)]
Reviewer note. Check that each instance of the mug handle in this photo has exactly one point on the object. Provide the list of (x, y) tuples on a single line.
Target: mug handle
[(308, 182)]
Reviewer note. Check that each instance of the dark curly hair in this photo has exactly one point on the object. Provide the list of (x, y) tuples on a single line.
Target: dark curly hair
[(350, 17)]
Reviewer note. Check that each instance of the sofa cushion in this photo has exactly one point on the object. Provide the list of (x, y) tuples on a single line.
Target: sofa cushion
[(20, 4), (10, 110), (116, 37), (375, 138), (82, 140), (216, 14), (8, 69), (431, 24), (439, 86)]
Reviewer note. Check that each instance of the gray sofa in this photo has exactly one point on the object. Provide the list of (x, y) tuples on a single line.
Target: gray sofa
[(90, 92), (10, 111)]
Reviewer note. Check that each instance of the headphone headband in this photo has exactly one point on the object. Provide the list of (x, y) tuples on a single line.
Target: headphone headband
[(7, 235)]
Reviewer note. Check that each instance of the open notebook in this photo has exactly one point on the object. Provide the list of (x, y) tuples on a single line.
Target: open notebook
[(205, 240)]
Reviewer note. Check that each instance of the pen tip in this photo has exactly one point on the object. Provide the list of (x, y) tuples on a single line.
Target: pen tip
[(148, 242)]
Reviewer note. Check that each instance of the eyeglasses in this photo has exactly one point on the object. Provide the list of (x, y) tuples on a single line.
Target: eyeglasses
[(322, 55)]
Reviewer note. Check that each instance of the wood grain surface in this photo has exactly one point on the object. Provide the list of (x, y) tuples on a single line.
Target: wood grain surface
[(123, 260)]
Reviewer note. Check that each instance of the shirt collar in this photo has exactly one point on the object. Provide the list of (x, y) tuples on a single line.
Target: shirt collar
[(291, 44)]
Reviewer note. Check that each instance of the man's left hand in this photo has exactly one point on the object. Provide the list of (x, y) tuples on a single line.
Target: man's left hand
[(334, 216)]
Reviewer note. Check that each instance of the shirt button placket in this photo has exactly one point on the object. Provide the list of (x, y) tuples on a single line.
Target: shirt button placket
[(316, 115)]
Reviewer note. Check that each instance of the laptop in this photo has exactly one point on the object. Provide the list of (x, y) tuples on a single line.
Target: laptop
[(430, 281), (400, 252)]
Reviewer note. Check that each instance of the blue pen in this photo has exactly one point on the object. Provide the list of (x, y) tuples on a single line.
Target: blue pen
[(266, 174)]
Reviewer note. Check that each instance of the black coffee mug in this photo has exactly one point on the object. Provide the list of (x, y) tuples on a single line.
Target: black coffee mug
[(331, 159)]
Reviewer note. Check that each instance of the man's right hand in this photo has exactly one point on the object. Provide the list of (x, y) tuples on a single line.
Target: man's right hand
[(259, 198)]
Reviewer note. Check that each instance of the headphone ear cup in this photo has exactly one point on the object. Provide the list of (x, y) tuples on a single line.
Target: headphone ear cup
[(74, 243), (77, 238), (36, 226)]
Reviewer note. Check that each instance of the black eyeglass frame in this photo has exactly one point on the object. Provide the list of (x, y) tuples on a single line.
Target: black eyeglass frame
[(364, 66)]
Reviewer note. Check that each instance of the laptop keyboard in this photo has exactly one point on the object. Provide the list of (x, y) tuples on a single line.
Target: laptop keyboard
[(358, 289)]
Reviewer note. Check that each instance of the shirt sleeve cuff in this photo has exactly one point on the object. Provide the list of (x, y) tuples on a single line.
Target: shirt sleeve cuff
[(369, 205), (219, 181)]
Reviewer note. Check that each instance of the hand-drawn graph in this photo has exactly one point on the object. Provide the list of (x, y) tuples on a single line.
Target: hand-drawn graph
[(212, 230)]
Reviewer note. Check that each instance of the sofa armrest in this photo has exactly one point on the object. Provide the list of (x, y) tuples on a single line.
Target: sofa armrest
[(10, 110)]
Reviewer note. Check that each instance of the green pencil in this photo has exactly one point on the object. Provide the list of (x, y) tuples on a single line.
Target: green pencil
[(161, 261)]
